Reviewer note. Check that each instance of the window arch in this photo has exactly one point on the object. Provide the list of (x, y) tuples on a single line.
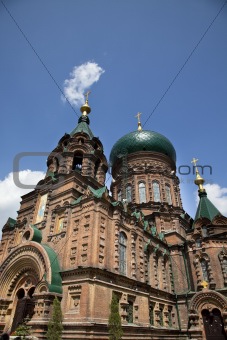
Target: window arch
[(168, 194), (142, 192), (204, 268), (156, 191), (129, 193), (122, 252)]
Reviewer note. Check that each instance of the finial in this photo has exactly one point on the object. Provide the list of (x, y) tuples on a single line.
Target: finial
[(139, 122), (198, 180), (85, 109)]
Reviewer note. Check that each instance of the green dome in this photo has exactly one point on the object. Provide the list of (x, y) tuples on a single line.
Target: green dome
[(142, 141)]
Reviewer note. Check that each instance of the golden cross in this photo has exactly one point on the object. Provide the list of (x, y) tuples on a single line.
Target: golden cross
[(204, 284), (86, 95), (138, 116), (194, 160)]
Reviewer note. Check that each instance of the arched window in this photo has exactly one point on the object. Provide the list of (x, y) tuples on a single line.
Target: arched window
[(77, 162), (119, 195), (122, 252), (142, 192), (168, 194), (156, 191), (129, 193), (204, 270)]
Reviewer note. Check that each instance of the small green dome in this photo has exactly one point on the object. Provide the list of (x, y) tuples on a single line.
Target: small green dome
[(142, 141)]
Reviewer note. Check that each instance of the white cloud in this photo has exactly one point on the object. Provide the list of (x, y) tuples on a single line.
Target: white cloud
[(218, 196), (11, 194), (81, 79)]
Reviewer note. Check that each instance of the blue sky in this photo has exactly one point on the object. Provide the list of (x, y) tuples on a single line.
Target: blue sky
[(141, 46)]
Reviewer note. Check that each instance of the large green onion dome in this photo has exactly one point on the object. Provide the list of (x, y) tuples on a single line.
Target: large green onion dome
[(142, 141)]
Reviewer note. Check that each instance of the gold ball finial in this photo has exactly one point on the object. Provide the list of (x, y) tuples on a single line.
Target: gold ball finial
[(85, 109)]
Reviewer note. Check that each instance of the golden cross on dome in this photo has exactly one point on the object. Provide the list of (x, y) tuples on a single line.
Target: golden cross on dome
[(194, 161), (138, 116), (204, 284), (86, 95)]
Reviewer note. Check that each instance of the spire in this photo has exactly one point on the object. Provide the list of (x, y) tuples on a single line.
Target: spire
[(205, 208), (84, 121), (139, 122)]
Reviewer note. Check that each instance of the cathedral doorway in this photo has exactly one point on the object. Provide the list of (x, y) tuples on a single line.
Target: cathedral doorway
[(24, 308), (213, 324)]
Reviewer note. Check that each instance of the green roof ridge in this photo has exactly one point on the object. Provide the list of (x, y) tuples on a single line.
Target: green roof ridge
[(97, 192), (37, 236), (206, 208), (56, 282), (77, 200)]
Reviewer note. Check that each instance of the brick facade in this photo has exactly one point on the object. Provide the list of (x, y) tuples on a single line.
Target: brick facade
[(74, 240)]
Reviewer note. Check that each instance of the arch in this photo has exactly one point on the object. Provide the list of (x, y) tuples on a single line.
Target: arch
[(202, 221), (30, 259), (156, 191), (202, 304), (206, 300), (142, 193), (219, 220)]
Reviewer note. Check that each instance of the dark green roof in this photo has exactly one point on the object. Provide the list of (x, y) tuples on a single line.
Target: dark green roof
[(83, 126), (37, 236), (142, 141), (98, 193), (11, 222), (206, 208)]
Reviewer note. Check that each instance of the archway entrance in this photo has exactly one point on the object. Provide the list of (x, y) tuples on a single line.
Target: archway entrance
[(24, 308), (213, 324)]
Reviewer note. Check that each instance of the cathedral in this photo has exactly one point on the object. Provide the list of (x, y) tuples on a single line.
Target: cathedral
[(78, 240)]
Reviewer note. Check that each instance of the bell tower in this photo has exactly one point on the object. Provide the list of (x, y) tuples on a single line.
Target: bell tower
[(79, 152)]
